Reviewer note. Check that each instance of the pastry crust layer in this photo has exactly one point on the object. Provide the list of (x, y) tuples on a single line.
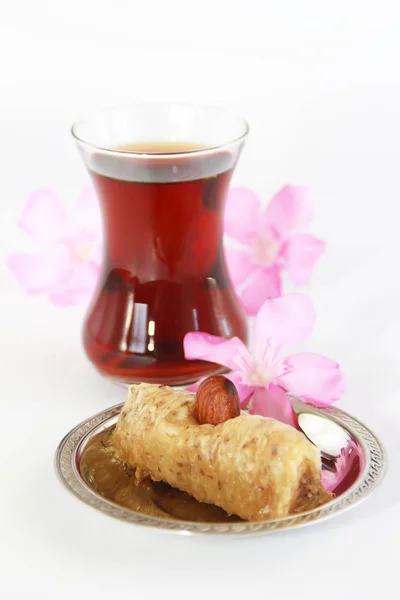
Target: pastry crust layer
[(251, 466)]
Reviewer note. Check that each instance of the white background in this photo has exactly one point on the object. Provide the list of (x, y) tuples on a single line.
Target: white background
[(319, 82)]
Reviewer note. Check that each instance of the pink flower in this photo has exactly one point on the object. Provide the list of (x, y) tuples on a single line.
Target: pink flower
[(344, 464), (264, 377), (65, 265), (272, 240)]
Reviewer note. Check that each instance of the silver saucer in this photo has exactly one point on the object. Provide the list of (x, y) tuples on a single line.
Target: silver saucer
[(328, 428)]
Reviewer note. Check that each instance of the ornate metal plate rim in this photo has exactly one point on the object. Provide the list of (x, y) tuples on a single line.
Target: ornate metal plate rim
[(375, 468)]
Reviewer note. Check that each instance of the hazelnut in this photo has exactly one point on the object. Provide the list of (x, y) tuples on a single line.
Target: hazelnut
[(217, 400)]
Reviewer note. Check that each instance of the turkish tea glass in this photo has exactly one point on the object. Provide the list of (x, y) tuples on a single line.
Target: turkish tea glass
[(161, 174)]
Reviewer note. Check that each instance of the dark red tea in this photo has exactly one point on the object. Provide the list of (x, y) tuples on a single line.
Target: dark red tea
[(163, 269)]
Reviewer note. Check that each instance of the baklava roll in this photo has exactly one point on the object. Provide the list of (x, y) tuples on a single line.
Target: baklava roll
[(251, 466)]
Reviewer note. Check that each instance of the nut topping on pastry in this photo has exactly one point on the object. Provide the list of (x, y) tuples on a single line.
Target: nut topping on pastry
[(217, 400)]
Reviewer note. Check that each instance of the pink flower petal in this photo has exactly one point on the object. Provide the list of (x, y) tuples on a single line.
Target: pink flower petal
[(84, 277), (265, 283), (38, 273), (244, 391), (97, 253), (78, 286), (299, 255), (239, 265), (284, 322), (44, 217), (273, 403), (203, 346), (194, 386), (87, 215), (288, 212), (242, 214), (64, 298), (313, 378)]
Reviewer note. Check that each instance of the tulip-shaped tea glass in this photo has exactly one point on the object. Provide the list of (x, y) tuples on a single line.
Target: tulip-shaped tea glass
[(161, 173)]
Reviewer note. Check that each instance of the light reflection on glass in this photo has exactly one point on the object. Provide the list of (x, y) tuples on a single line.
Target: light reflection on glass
[(151, 331), (139, 329)]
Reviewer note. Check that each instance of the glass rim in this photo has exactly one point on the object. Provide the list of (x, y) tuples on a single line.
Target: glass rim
[(196, 151)]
